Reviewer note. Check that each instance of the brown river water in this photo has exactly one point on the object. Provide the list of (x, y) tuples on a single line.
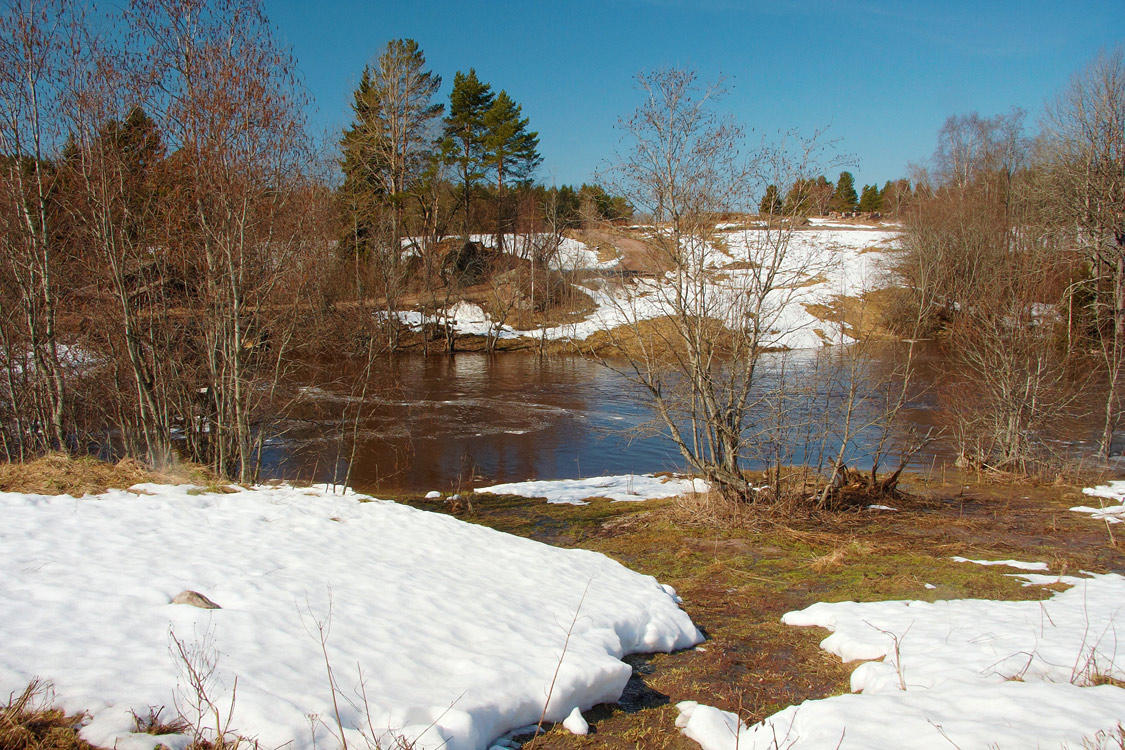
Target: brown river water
[(454, 422)]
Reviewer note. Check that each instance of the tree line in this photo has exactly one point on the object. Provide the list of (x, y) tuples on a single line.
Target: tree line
[(818, 196), (1014, 259)]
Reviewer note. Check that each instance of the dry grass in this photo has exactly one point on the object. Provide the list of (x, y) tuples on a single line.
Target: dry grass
[(152, 723), (841, 554), (58, 474), (861, 317), (31, 721)]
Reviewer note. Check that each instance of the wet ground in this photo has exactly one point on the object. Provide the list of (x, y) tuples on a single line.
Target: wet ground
[(736, 583)]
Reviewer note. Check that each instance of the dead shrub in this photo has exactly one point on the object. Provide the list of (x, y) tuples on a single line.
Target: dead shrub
[(838, 556), (153, 724)]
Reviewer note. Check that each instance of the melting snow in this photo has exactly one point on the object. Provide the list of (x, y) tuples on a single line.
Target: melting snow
[(457, 628), (623, 488), (965, 673), (1110, 513), (1006, 563)]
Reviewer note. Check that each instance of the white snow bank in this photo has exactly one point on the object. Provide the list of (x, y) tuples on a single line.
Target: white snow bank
[(969, 673), (1006, 563), (1009, 716), (622, 488), (1110, 513), (457, 628)]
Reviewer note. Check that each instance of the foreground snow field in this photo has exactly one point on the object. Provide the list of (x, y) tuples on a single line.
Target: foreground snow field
[(963, 673), (622, 488), (456, 628)]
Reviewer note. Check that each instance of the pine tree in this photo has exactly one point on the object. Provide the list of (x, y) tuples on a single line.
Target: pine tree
[(389, 143), (510, 149), (771, 201), (845, 199), (464, 143)]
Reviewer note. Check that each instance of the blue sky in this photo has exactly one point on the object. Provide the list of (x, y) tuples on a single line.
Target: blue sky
[(882, 77)]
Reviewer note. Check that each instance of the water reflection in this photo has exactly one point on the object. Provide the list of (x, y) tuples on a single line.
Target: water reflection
[(448, 423)]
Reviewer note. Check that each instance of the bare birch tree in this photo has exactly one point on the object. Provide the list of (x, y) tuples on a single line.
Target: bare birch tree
[(36, 48)]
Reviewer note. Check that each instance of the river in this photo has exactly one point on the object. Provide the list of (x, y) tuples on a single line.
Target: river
[(451, 423)]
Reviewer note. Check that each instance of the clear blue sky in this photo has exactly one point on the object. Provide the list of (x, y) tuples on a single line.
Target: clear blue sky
[(882, 76)]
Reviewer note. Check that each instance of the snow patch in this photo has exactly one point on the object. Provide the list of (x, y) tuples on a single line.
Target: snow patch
[(1109, 513), (457, 628), (622, 488), (970, 672), (1006, 563)]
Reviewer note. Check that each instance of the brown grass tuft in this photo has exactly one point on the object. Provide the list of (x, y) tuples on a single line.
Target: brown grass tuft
[(58, 474), (30, 721)]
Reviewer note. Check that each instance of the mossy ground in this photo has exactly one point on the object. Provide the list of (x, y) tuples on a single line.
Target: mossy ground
[(737, 582)]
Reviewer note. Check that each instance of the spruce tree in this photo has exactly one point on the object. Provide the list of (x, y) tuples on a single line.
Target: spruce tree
[(870, 199), (771, 201), (845, 199), (464, 142)]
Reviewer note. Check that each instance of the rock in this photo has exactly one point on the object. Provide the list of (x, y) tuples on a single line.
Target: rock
[(575, 723), (195, 599), (433, 495)]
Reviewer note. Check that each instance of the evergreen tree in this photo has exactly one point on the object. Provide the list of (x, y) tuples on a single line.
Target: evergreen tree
[(510, 149), (870, 199), (845, 199), (799, 198), (771, 201), (389, 143), (465, 138)]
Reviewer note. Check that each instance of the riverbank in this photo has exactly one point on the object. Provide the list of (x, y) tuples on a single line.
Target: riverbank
[(737, 581)]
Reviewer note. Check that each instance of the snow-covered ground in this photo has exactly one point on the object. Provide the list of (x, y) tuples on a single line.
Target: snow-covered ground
[(571, 254), (818, 265), (1112, 513), (623, 488), (964, 673), (451, 630)]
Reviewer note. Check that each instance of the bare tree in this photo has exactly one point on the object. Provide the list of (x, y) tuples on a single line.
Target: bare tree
[(1084, 137), (36, 49), (694, 334), (387, 151), (228, 101)]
